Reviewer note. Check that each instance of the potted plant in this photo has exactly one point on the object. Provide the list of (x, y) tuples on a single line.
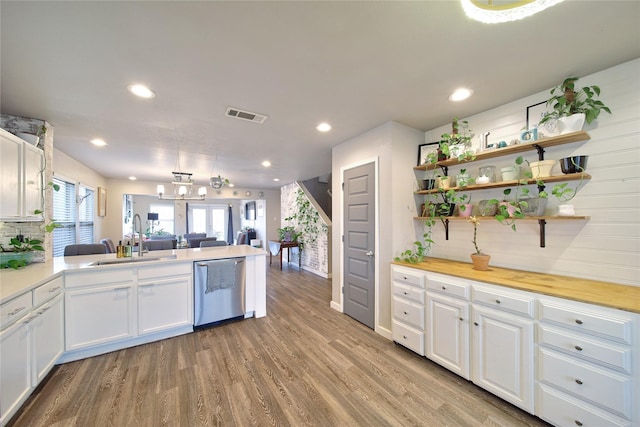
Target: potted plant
[(21, 253), (568, 101), (458, 141), (465, 207), (480, 260), (288, 234)]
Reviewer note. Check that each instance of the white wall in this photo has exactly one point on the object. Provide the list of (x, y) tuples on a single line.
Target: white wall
[(395, 148), (606, 247)]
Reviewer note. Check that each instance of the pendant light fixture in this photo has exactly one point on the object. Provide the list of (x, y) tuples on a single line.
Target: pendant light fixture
[(182, 186), (217, 182)]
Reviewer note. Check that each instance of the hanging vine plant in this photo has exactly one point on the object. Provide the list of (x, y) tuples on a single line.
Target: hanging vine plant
[(308, 220)]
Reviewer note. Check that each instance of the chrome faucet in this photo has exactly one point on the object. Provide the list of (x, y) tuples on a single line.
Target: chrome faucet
[(133, 235)]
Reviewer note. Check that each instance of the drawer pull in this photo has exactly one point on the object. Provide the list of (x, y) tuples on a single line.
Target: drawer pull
[(476, 323), (405, 313), (578, 381), (404, 336), (405, 292), (404, 277), (444, 288), (461, 319), (579, 322), (44, 309), (578, 422), (497, 301), (125, 288), (578, 348), (16, 311), (57, 288)]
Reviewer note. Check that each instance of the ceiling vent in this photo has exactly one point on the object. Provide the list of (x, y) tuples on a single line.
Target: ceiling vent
[(245, 115)]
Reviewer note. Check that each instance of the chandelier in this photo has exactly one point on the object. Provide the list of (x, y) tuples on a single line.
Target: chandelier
[(182, 186), (504, 11)]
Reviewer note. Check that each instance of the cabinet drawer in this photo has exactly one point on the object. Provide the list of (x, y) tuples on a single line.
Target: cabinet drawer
[(408, 277), (579, 318), (408, 292), (607, 389), (605, 353), (408, 337), (161, 271), (98, 277), (15, 309), (563, 411), (449, 286), (47, 291), (515, 303), (408, 313)]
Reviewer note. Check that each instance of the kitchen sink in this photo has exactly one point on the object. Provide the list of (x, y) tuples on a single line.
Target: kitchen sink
[(131, 260)]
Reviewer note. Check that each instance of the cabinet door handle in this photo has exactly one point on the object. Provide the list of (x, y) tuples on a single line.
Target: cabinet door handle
[(16, 311), (405, 313), (578, 422), (125, 288), (44, 309), (444, 288), (579, 322), (578, 348), (498, 301), (578, 381), (461, 319), (146, 284), (404, 277), (405, 292), (404, 336), (476, 323)]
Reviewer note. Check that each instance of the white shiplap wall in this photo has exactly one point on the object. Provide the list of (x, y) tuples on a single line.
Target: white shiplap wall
[(607, 247)]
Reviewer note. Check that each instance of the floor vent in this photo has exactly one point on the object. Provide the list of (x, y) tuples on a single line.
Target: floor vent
[(245, 115)]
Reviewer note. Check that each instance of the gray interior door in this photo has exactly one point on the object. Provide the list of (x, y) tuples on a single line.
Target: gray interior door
[(359, 241)]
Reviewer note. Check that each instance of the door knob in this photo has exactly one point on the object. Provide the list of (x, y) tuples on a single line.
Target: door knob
[(369, 254)]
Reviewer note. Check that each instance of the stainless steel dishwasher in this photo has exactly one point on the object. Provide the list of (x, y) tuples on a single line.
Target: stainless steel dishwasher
[(219, 290)]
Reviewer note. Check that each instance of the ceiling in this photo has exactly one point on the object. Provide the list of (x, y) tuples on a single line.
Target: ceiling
[(355, 65)]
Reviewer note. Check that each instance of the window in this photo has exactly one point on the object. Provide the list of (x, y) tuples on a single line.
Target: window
[(73, 207), (166, 222), (210, 219)]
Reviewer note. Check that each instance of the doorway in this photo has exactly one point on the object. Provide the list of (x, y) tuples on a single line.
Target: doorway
[(359, 210)]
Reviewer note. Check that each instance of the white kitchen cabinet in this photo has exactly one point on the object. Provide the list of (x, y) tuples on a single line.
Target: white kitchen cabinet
[(447, 329), (48, 337), (165, 298), (587, 364), (15, 367), (408, 308), (99, 315), (30, 343), (21, 180)]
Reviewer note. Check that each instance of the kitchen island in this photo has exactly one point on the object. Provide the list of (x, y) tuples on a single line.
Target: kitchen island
[(76, 307)]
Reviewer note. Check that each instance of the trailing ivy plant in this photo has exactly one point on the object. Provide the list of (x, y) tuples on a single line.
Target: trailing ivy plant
[(308, 220)]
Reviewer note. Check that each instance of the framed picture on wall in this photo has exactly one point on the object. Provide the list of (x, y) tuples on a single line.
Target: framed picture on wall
[(425, 149), (250, 211), (102, 201)]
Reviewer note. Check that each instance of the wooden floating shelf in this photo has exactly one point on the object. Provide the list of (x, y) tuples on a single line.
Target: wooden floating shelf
[(512, 183), (512, 149), (536, 218)]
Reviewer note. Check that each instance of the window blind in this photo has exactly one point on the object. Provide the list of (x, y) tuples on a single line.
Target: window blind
[(64, 212), (85, 215)]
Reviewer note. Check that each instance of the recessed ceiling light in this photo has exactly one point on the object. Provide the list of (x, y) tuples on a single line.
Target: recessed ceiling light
[(231, 185), (98, 142), (460, 94), (141, 90), (324, 127), (266, 163), (132, 178), (276, 179)]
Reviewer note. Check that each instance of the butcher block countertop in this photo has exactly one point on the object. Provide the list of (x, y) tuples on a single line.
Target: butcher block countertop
[(622, 297)]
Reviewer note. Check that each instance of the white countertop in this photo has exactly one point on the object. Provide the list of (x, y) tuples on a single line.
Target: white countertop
[(16, 282)]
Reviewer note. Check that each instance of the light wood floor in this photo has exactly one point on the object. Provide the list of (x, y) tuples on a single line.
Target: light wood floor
[(302, 365)]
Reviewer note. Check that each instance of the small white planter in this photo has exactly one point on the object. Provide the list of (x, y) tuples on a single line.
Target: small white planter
[(566, 210), (572, 123), (542, 169), (508, 173)]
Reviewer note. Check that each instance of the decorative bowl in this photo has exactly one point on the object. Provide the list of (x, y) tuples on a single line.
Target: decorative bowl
[(15, 259), (574, 164)]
